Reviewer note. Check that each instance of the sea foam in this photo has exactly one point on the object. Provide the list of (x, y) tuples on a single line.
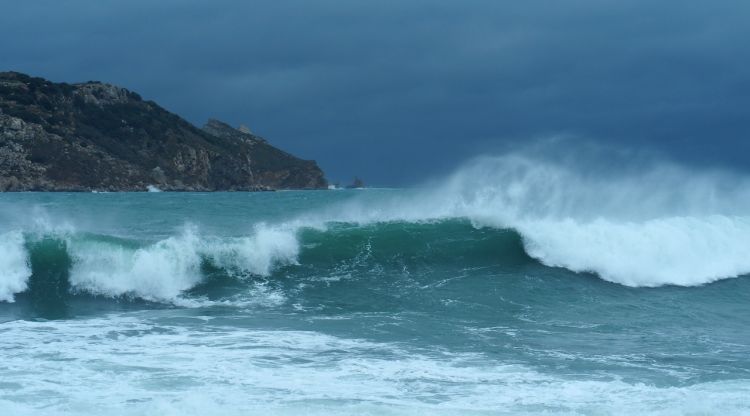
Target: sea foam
[(14, 265), (162, 271), (657, 224), (211, 369), (684, 251), (648, 225), (159, 271)]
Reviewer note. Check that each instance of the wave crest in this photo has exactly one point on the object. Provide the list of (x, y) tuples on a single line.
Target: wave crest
[(683, 251), (647, 226), (14, 265), (161, 271)]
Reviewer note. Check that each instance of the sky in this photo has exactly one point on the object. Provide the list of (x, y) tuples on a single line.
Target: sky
[(398, 91)]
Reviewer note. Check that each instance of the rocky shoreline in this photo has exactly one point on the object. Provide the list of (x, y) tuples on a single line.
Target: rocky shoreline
[(100, 137)]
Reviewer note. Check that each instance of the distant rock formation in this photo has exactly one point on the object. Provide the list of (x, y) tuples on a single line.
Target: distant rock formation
[(356, 183), (99, 137)]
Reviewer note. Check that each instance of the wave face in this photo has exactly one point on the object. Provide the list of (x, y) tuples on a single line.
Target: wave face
[(109, 266), (646, 226), (649, 227), (165, 270)]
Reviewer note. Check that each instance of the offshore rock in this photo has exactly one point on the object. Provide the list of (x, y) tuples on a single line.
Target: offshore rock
[(95, 136)]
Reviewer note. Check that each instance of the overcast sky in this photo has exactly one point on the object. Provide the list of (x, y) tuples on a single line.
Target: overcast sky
[(397, 91)]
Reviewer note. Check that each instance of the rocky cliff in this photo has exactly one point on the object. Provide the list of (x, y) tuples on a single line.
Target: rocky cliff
[(95, 136)]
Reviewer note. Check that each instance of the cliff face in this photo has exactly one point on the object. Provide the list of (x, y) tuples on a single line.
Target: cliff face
[(94, 136)]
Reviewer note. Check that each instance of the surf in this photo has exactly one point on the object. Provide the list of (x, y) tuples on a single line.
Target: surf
[(163, 271), (642, 225), (649, 226)]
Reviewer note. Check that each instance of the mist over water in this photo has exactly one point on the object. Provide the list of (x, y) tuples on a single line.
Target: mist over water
[(519, 284), (646, 226), (639, 225)]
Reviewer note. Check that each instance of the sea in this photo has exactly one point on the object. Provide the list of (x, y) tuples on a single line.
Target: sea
[(512, 286)]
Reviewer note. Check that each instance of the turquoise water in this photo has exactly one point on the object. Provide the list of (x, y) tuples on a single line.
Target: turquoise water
[(458, 299)]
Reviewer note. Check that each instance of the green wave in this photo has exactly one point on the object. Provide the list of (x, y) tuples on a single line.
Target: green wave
[(390, 247)]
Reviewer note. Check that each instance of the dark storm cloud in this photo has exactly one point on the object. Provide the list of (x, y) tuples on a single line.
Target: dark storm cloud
[(396, 90)]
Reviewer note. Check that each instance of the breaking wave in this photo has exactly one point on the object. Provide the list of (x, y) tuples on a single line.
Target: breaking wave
[(50, 266), (14, 267), (112, 266), (646, 227)]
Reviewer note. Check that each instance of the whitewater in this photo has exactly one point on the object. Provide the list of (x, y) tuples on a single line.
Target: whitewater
[(517, 285)]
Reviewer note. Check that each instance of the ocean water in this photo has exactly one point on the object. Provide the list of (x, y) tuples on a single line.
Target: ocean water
[(513, 286)]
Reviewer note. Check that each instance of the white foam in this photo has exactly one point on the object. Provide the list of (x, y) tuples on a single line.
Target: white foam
[(158, 272), (14, 265), (648, 225), (683, 251), (164, 270), (86, 367), (658, 225), (259, 253)]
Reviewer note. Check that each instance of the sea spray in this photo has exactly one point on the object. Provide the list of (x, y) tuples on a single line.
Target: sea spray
[(340, 302), (160, 271), (655, 225), (652, 226), (14, 265), (257, 254), (683, 251)]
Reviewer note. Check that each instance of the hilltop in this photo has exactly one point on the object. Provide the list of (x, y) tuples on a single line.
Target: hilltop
[(97, 136)]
